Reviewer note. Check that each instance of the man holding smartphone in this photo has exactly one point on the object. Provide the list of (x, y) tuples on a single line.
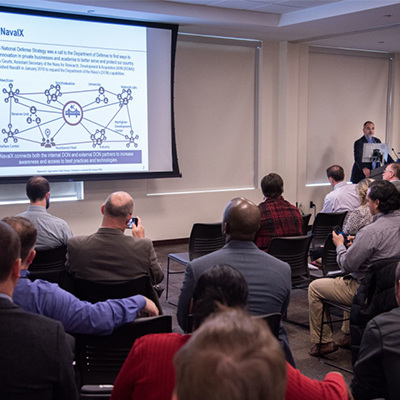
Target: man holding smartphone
[(109, 254), (375, 241)]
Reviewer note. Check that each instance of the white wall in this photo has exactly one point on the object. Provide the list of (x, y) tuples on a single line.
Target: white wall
[(282, 148)]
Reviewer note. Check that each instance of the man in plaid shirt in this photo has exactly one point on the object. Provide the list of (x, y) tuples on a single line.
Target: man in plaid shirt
[(279, 218)]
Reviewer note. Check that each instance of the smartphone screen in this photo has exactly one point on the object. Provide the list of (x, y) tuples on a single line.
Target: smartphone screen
[(132, 221)]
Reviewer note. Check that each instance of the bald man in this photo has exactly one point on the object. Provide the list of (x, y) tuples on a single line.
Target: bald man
[(268, 278), (109, 254)]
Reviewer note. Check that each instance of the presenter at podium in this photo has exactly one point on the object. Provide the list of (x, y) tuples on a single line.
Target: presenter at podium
[(363, 170)]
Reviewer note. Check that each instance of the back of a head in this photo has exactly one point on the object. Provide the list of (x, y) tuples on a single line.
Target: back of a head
[(387, 194), (241, 219), (10, 249), (26, 231), (272, 185), (336, 172), (362, 189), (36, 188), (218, 285), (231, 356), (118, 205)]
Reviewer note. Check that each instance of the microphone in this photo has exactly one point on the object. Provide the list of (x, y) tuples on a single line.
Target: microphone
[(396, 154)]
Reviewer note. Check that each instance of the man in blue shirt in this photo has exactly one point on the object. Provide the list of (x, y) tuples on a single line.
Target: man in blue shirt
[(36, 360), (49, 299)]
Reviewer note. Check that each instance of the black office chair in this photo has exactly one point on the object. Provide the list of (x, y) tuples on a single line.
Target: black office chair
[(294, 251), (322, 227), (48, 264), (306, 221), (204, 239), (326, 311), (100, 291), (329, 266), (274, 322), (100, 358)]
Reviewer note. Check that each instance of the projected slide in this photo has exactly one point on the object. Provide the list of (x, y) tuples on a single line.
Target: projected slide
[(73, 98)]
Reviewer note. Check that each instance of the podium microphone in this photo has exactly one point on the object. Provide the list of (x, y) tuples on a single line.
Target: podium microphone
[(396, 154)]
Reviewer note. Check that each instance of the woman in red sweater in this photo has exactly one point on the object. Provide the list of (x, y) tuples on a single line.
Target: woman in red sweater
[(148, 372)]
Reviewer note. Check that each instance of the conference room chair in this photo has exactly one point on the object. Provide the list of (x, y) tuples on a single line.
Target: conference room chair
[(375, 296), (294, 250), (329, 265), (100, 358), (306, 221), (48, 264), (100, 291), (328, 320), (273, 320), (204, 239), (322, 227)]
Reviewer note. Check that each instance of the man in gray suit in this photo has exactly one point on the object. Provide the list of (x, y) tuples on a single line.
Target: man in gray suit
[(268, 278), (36, 360), (108, 254)]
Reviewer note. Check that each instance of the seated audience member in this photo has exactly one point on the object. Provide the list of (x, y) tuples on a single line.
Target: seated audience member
[(380, 239), (343, 197), (52, 231), (269, 279), (36, 360), (377, 370), (392, 174), (42, 297), (278, 217), (361, 216), (109, 254), (231, 356), (148, 370)]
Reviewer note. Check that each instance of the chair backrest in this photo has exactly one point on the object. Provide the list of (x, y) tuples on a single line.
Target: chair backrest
[(294, 251), (375, 296), (204, 239), (274, 322), (306, 220), (99, 358), (323, 226), (100, 291), (329, 263), (48, 264)]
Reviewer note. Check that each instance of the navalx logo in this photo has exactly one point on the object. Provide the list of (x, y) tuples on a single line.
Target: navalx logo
[(11, 32)]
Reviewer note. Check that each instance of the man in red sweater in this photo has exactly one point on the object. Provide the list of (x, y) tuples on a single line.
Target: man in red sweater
[(279, 218)]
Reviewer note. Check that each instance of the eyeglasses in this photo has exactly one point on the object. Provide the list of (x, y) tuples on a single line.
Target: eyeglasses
[(387, 170)]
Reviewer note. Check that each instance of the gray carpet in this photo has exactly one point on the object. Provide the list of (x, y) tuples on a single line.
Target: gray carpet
[(298, 311)]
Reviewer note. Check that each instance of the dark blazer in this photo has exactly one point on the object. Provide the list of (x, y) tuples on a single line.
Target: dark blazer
[(377, 371), (110, 255), (36, 360), (357, 173)]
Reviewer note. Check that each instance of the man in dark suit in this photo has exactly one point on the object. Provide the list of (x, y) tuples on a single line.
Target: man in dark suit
[(36, 360), (268, 278), (363, 170), (377, 370), (109, 254)]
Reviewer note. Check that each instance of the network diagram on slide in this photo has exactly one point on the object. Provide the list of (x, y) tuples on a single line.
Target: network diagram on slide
[(55, 117)]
